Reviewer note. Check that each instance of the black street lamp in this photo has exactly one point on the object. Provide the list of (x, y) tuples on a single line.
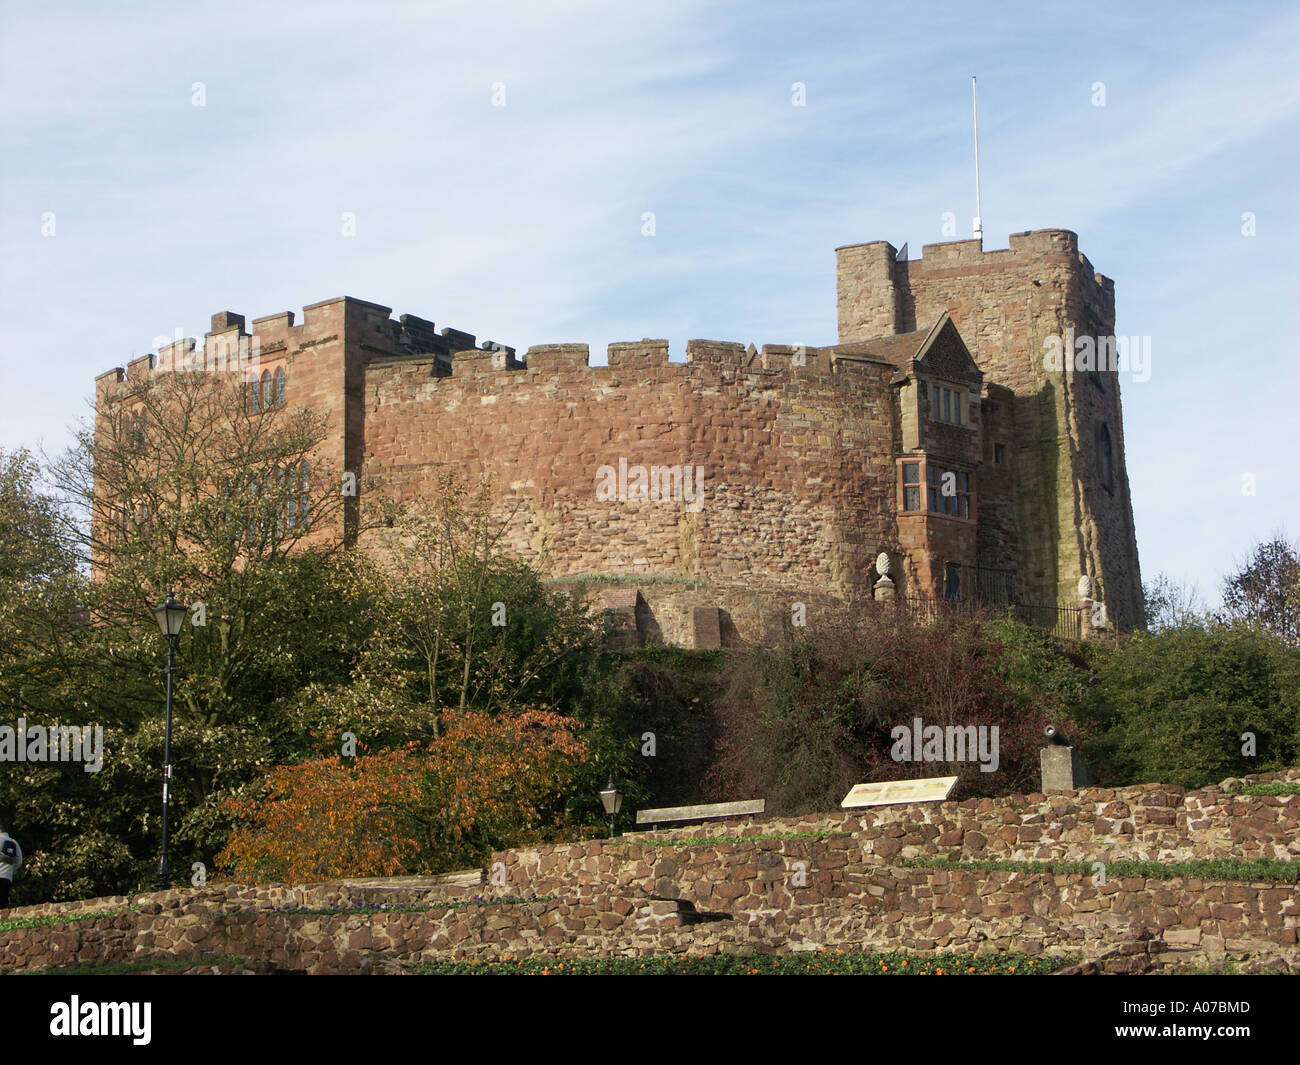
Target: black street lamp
[(170, 616), (612, 799)]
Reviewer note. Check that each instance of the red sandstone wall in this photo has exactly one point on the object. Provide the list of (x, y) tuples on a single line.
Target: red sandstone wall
[(320, 357), (798, 465)]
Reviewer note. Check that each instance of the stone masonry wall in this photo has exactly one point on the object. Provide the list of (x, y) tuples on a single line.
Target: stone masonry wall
[(735, 888), (1151, 822), (798, 475), (796, 447), (885, 909)]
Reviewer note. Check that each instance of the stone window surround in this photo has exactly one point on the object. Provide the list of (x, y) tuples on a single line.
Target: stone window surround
[(265, 391), (923, 462), (964, 420), (294, 483)]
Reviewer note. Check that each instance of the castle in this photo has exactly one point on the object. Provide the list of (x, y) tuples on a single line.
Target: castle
[(935, 451)]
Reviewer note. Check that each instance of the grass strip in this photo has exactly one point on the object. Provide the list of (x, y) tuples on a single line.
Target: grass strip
[(452, 904), (697, 841), (1276, 787), (817, 963), (141, 965), (1268, 869), (12, 924)]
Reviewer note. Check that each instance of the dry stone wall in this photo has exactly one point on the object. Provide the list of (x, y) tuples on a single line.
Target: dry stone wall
[(750, 887)]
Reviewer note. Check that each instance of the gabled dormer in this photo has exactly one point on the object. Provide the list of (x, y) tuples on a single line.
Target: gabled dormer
[(940, 393)]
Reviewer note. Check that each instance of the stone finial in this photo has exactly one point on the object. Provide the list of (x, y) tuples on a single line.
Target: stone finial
[(882, 564), (1085, 587)]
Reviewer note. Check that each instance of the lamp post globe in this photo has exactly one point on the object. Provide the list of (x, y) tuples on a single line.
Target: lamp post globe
[(612, 799), (170, 615)]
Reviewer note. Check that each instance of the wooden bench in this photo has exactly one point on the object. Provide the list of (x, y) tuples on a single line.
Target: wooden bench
[(707, 812)]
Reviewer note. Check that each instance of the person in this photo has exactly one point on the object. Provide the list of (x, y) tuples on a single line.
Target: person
[(11, 859)]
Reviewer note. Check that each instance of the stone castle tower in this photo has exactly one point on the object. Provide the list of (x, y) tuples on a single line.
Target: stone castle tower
[(711, 499), (1073, 514)]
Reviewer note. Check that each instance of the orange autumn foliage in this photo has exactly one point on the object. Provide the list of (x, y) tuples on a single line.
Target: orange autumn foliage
[(489, 780)]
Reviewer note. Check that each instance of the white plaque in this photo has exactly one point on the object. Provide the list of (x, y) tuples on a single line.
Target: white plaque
[(888, 792)]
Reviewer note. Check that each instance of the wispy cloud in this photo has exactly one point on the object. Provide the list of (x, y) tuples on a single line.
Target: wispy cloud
[(523, 223)]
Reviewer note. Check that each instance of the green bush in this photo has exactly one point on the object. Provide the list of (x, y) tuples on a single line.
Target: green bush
[(1173, 706)]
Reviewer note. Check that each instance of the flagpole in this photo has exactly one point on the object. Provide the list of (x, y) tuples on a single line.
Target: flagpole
[(975, 107)]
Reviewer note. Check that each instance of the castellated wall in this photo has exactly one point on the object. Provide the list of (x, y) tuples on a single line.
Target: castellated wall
[(798, 478), (1005, 303), (323, 357), (793, 452)]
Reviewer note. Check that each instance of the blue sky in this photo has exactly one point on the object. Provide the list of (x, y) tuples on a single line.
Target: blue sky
[(523, 223)]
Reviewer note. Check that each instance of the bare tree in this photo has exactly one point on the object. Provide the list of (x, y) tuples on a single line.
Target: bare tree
[(1265, 591), (1170, 605), (182, 483)]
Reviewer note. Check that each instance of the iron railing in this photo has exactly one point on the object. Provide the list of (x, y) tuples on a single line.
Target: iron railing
[(1065, 622)]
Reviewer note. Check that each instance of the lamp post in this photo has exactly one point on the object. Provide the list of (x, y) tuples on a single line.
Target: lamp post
[(170, 615), (612, 799)]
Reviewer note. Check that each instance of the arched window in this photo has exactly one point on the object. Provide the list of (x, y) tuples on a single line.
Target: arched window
[(1105, 458), (279, 387), (266, 390), (259, 501), (304, 497), (254, 399)]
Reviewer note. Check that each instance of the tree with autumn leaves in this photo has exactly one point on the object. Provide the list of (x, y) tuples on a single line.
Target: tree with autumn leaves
[(486, 781)]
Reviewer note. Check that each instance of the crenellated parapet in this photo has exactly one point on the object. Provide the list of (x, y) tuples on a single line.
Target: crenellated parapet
[(230, 346), (708, 363)]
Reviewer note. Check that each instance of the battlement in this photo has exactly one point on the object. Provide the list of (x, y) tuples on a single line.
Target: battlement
[(1031, 243), (395, 380), (879, 294), (229, 346)]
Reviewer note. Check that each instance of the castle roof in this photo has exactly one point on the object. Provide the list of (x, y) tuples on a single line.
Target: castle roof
[(938, 349), (899, 349)]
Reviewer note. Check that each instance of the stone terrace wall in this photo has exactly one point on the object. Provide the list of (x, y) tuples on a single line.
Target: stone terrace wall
[(713, 892), (1147, 822), (913, 910)]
